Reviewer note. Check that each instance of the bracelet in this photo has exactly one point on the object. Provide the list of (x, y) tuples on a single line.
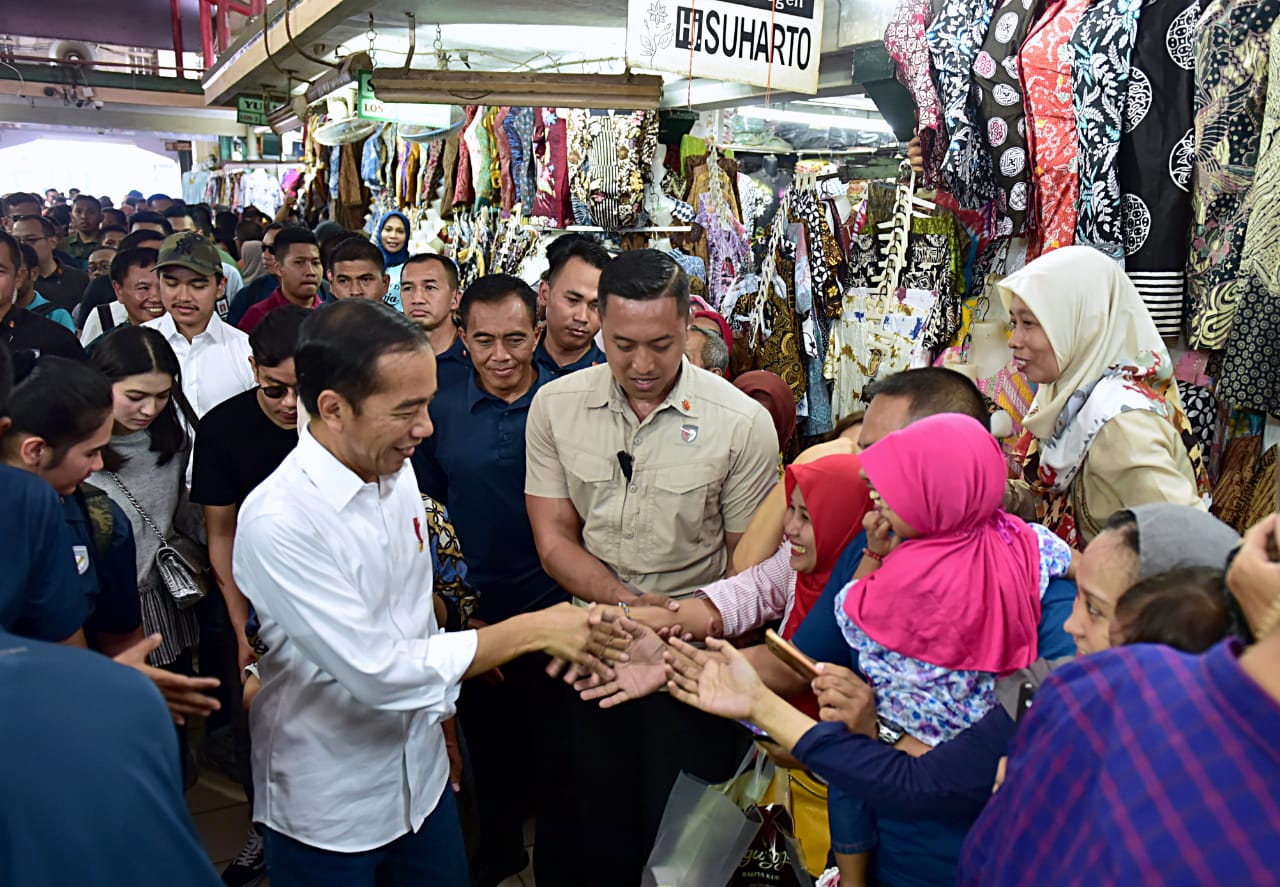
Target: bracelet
[(626, 609), (874, 555)]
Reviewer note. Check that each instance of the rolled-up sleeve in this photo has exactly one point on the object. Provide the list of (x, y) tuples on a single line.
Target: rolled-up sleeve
[(296, 583), (544, 475)]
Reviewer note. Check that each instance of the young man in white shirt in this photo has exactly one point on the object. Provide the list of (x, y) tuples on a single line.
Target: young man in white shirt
[(351, 776), (214, 355)]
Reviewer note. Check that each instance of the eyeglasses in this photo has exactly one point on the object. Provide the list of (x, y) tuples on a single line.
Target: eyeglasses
[(276, 392), (31, 240)]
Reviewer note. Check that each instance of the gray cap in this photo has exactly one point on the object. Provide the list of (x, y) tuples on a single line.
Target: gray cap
[(1175, 536)]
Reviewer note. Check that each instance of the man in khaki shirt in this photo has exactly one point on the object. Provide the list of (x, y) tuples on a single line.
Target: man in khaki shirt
[(641, 477)]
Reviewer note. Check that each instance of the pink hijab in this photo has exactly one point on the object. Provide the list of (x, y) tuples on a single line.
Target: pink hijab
[(965, 595)]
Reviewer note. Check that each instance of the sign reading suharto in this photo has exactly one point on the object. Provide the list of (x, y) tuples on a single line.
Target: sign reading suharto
[(773, 43)]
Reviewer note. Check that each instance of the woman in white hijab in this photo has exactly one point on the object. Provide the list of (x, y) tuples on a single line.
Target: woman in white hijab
[(1109, 426)]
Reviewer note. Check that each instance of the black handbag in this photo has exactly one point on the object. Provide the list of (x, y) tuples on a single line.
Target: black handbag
[(182, 563)]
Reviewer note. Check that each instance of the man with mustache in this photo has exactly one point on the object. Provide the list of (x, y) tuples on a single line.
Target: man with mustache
[(297, 255)]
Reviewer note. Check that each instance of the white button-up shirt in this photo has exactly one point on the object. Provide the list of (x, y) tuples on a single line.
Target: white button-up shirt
[(348, 752), (215, 364)]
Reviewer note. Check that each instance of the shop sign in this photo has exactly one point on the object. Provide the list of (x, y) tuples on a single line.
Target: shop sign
[(177, 146), (251, 110), (370, 107), (772, 43)]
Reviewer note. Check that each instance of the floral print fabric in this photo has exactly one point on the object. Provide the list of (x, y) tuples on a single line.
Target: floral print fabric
[(1155, 159), (955, 38), (551, 160), (1102, 46), (1051, 134), (610, 162), (904, 40), (1231, 83)]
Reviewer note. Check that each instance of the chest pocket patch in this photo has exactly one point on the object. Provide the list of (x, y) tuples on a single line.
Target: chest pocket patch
[(81, 553)]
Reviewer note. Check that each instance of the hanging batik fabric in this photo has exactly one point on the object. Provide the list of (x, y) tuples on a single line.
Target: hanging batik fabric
[(954, 38), (1155, 160), (551, 160), (1251, 369), (933, 256), (814, 329), (904, 40), (1103, 47), (1045, 61), (519, 130), (610, 161), (1001, 114), (1231, 84)]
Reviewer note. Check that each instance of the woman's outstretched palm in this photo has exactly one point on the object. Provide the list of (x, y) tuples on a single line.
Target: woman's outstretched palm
[(718, 680)]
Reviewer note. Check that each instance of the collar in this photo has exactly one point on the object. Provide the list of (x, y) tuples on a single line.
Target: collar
[(37, 301), (592, 357), (337, 483), (608, 393), (476, 394), (457, 351), (165, 325)]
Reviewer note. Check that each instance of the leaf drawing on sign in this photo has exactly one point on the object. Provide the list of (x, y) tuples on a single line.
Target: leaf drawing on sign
[(657, 33)]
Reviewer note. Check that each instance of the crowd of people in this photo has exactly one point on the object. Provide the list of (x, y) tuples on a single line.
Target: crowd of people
[(435, 562)]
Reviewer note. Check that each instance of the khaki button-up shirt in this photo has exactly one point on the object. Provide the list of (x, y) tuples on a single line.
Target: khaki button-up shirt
[(702, 462)]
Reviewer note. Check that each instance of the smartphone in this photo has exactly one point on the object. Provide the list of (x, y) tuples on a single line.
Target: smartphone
[(791, 655), (1026, 695), (758, 733)]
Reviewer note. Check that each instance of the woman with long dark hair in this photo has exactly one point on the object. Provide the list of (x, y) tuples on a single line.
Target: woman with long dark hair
[(144, 468)]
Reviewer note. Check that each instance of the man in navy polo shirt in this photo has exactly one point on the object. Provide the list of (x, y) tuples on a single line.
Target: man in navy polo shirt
[(429, 296), (479, 447), (569, 298)]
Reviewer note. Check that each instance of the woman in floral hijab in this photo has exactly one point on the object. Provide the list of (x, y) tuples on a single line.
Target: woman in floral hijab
[(1106, 420)]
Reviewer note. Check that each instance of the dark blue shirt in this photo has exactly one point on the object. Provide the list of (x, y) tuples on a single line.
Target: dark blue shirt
[(91, 768), (453, 369), (453, 366), (479, 447), (543, 358), (249, 295), (40, 592), (924, 806), (109, 583)]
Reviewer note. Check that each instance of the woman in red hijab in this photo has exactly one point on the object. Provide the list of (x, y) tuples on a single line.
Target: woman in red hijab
[(775, 396)]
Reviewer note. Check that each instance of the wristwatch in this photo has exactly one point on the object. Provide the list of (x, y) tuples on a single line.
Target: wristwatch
[(890, 732)]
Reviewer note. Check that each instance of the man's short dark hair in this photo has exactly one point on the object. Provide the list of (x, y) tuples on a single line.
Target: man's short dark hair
[(356, 249), (246, 231), (113, 229), (135, 257), (86, 198), (274, 226), (574, 246), (642, 275), (495, 288), (60, 215), (340, 344), (46, 225), (275, 339), (30, 260), (18, 198), (450, 266), (149, 217), (114, 218), (60, 400), (138, 238), (178, 211), (932, 391), (290, 235)]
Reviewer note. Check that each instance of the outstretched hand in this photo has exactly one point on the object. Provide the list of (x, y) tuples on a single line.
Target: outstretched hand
[(718, 680), (642, 674), (184, 695)]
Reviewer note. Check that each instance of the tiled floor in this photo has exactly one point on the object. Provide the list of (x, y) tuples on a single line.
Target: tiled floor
[(221, 813)]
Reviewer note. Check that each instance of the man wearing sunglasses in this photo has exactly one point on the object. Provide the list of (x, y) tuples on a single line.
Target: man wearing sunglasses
[(240, 443)]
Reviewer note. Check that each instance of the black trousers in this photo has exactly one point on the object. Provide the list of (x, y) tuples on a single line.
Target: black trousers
[(617, 769)]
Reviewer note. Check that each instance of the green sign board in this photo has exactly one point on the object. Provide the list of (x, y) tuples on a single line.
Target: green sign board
[(370, 107), (251, 110)]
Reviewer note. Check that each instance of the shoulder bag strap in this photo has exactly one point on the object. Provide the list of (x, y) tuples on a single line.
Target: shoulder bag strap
[(115, 478)]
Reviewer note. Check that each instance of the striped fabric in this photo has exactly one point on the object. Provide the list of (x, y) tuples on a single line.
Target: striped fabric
[(1164, 293), (1141, 765)]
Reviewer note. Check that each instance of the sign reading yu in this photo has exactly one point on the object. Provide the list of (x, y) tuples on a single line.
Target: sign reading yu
[(773, 43)]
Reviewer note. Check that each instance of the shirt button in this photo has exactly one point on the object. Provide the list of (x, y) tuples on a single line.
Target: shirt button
[(633, 488), (625, 577), (636, 442), (629, 534)]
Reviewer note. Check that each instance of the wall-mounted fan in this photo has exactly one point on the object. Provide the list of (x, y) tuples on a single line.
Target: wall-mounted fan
[(343, 126)]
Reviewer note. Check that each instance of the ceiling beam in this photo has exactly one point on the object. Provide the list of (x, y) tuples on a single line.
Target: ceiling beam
[(122, 117)]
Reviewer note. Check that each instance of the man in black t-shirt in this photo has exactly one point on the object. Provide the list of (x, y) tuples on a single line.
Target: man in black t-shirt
[(19, 328), (240, 443)]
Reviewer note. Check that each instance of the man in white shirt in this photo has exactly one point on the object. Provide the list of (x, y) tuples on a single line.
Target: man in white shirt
[(214, 355), (349, 765), (133, 277)]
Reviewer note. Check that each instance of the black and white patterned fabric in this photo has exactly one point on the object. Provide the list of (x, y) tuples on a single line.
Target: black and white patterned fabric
[(1155, 158)]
